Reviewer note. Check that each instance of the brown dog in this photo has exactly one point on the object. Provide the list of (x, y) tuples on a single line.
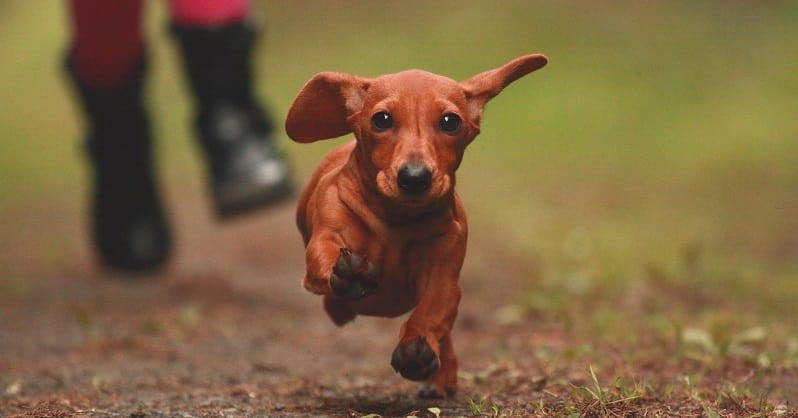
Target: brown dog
[(384, 229)]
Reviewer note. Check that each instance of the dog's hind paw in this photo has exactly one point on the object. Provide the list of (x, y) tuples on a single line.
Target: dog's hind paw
[(430, 391), (415, 360), (353, 276)]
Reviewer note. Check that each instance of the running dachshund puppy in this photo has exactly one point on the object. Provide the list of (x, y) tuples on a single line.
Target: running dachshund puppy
[(384, 230)]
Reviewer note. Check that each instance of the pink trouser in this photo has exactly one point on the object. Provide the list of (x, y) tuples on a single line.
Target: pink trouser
[(107, 44)]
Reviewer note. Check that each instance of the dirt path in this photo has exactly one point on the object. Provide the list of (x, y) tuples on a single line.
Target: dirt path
[(228, 331)]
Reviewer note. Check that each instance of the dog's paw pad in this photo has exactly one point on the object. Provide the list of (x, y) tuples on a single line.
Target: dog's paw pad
[(353, 276), (415, 360)]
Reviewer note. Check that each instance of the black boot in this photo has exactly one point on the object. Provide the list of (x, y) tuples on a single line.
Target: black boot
[(246, 169), (128, 225)]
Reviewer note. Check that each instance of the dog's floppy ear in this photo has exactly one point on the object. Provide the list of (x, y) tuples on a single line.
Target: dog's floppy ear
[(485, 86), (324, 104)]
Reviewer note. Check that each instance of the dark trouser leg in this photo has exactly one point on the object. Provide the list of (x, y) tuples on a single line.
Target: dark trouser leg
[(236, 135), (106, 64)]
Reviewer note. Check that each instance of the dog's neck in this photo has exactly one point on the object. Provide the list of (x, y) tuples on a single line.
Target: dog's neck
[(360, 193)]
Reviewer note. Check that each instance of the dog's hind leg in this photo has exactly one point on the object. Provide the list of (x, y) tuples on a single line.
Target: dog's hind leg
[(338, 310), (424, 352)]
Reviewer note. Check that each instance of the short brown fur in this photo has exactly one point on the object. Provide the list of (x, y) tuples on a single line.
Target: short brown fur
[(372, 248)]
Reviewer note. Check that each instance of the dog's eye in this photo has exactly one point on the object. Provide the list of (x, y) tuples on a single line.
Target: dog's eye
[(382, 121), (450, 123)]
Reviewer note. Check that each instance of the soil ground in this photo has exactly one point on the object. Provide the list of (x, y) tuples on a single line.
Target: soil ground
[(227, 330)]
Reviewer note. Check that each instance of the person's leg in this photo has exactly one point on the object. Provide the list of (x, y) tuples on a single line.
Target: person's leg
[(106, 63), (216, 42)]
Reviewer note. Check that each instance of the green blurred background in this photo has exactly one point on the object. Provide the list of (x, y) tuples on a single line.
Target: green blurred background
[(660, 143)]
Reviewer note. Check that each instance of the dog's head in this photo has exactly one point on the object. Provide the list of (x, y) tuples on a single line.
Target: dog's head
[(411, 127)]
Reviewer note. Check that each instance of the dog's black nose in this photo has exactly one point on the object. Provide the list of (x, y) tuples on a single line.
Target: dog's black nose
[(414, 179)]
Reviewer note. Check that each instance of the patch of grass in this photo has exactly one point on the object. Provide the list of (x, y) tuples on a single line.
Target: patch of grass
[(477, 408), (600, 399), (189, 316), (622, 399), (484, 408)]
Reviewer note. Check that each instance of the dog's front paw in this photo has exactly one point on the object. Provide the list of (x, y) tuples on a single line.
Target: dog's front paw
[(415, 360), (353, 276)]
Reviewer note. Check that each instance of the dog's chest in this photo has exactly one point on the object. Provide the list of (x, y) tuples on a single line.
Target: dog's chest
[(396, 278), (393, 255), (401, 260)]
